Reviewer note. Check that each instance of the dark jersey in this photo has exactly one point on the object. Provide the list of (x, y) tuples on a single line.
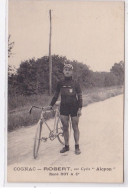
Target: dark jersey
[(70, 91)]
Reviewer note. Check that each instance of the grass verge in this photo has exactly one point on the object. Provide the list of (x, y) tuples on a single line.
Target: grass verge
[(18, 112)]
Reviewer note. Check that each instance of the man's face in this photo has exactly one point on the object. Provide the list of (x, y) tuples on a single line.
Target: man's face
[(67, 72)]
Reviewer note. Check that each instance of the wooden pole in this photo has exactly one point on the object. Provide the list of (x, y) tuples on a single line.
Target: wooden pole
[(50, 57)]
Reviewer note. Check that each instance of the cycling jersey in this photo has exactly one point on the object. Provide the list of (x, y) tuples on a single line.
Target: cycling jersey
[(71, 94)]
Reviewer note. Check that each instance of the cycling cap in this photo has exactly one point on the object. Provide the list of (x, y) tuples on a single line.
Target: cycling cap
[(68, 66)]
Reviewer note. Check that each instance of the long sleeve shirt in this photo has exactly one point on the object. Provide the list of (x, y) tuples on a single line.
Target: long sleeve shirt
[(70, 91)]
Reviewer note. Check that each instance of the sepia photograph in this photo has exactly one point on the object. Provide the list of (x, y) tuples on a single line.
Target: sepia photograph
[(65, 91)]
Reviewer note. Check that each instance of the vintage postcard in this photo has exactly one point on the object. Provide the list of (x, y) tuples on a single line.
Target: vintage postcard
[(65, 91)]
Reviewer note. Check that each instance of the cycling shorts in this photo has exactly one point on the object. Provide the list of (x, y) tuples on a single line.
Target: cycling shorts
[(67, 110)]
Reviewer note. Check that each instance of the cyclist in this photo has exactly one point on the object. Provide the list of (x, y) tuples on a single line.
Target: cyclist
[(71, 105)]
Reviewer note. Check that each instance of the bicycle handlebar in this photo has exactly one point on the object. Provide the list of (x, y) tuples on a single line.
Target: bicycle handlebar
[(42, 108)]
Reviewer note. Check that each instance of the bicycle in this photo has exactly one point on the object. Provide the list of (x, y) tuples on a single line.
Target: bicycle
[(57, 131)]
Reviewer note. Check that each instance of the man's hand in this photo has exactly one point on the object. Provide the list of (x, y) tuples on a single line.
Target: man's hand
[(79, 112), (57, 103)]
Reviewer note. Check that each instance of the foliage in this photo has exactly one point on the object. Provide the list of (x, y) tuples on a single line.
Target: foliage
[(11, 69), (118, 70), (32, 76), (10, 46)]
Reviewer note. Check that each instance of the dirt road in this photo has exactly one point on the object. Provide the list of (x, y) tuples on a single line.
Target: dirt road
[(101, 140)]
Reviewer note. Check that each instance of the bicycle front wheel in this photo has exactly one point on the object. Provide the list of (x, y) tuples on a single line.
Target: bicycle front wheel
[(59, 130), (37, 140)]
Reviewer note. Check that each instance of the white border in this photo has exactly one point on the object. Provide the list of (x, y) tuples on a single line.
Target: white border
[(3, 86), (126, 99)]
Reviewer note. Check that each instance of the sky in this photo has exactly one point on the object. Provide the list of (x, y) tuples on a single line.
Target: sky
[(89, 32)]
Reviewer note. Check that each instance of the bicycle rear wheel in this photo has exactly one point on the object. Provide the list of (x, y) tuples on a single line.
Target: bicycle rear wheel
[(37, 140), (59, 130)]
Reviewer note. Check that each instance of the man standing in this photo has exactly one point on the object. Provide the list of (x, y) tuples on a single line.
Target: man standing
[(71, 105)]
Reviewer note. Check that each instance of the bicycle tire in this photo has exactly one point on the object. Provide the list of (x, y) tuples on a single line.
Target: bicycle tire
[(59, 130), (37, 140)]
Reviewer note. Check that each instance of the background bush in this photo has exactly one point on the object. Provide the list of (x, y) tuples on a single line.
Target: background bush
[(32, 76)]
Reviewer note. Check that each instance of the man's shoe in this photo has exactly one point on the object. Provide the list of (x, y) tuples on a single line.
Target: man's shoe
[(77, 151), (64, 149)]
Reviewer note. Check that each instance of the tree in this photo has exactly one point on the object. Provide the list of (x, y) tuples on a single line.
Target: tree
[(32, 75), (118, 70), (11, 69), (10, 46)]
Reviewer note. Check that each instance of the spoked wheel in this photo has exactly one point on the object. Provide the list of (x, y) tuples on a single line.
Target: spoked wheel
[(59, 130), (37, 140)]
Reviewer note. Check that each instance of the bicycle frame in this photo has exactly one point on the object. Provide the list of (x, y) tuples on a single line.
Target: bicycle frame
[(55, 133), (52, 134)]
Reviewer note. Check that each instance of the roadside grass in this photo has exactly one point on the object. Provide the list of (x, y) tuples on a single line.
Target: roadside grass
[(101, 94), (20, 103), (18, 107)]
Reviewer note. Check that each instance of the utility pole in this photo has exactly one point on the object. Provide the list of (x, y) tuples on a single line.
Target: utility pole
[(50, 57)]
